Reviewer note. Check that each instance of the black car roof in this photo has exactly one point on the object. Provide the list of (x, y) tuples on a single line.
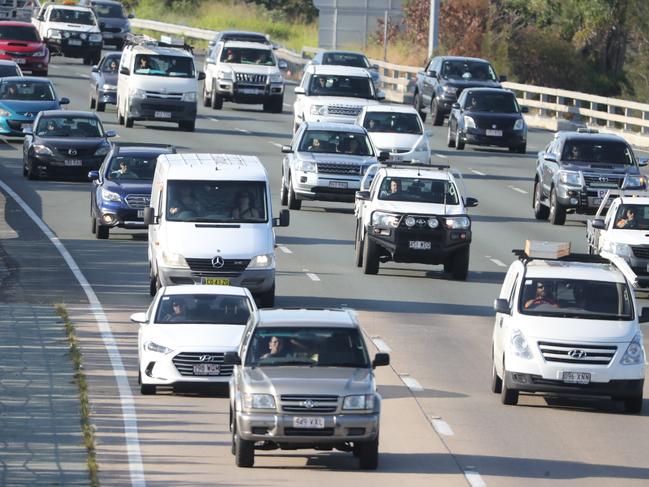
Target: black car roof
[(26, 78), (488, 90)]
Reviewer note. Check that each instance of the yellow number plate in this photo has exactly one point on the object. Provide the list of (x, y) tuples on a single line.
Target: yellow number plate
[(216, 281)]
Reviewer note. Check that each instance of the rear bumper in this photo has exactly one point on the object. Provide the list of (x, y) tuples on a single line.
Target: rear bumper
[(29, 63)]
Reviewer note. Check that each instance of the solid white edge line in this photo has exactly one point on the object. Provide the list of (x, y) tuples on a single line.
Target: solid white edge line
[(286, 250), (479, 173), (474, 478), (125, 394), (276, 144), (213, 119), (83, 75), (243, 131), (442, 427), (519, 190), (288, 105), (498, 262), (412, 383), (312, 276), (380, 344)]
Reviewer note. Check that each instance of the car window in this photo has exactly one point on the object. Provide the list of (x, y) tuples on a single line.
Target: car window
[(345, 59), (632, 217), (9, 70), (109, 10), (165, 66), (64, 126), (419, 190), (26, 90), (70, 16), (203, 309), (491, 102), (465, 69), (335, 142), (393, 122), (603, 152), (18, 33), (339, 85), (110, 64), (132, 167), (239, 55)]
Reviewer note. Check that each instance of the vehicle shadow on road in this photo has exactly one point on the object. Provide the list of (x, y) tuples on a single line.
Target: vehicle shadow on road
[(502, 219), (596, 405), (396, 392), (496, 177), (322, 209), (287, 240)]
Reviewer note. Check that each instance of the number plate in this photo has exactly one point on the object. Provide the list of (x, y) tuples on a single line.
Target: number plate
[(72, 162), (215, 281), (312, 422), (207, 369), (494, 133), (419, 245), (162, 114), (25, 125), (576, 377), (338, 184), (74, 42), (19, 61), (249, 91), (601, 193), (140, 213)]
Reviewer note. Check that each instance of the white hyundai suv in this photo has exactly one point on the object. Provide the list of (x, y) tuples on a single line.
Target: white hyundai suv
[(334, 94), (567, 325)]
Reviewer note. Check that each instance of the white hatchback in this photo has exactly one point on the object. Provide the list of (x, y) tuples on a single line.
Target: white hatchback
[(185, 333)]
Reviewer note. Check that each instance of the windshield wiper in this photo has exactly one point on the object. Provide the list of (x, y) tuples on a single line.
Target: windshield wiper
[(344, 364)]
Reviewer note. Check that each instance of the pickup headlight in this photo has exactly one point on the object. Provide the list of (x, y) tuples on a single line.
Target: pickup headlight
[(42, 150), (155, 347), (102, 151), (571, 178), (318, 109), (54, 34), (258, 401), (189, 96), (4, 113), (137, 93), (422, 145), (275, 78), (620, 249), (110, 196), (520, 124), (519, 345), (262, 262), (469, 122), (634, 354), (386, 220), (95, 38), (634, 182), (108, 87), (306, 166), (450, 90), (226, 75), (171, 259), (457, 222), (359, 402)]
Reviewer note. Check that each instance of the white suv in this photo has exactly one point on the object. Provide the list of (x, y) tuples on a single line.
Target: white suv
[(334, 94), (568, 325)]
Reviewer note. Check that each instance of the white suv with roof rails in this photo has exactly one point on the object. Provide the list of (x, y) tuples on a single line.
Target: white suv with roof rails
[(334, 94), (567, 324)]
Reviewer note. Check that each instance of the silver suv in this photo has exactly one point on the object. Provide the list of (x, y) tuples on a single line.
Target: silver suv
[(304, 379)]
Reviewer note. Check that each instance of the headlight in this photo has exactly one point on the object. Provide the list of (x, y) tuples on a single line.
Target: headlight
[(54, 34), (42, 150), (359, 402), (137, 93), (458, 222), (306, 166), (83, 36), (4, 113), (262, 261), (410, 221), (433, 222), (154, 347), (95, 38), (110, 196), (189, 96), (620, 249), (258, 401), (422, 145), (65, 34), (102, 151), (634, 182), (108, 87), (519, 345), (634, 352), (173, 260), (318, 109), (520, 124), (469, 122), (40, 53), (451, 90), (227, 75), (571, 178), (275, 78), (386, 220)]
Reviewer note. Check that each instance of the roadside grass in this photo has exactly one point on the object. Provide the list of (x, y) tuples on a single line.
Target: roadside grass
[(80, 378)]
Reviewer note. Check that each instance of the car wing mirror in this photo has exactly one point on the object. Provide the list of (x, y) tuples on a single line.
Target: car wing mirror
[(643, 161), (93, 175), (64, 101), (380, 96), (384, 156), (381, 359), (287, 149), (502, 78), (550, 157), (375, 67), (149, 216), (139, 318), (231, 358), (131, 16), (124, 70), (471, 202), (201, 75), (456, 106), (299, 90), (283, 65), (95, 69), (28, 131), (502, 306), (644, 316), (598, 223), (362, 195), (525, 109), (111, 134), (284, 219), (432, 73)]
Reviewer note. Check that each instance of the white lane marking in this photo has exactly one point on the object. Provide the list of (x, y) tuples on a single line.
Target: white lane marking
[(412, 383), (312, 276), (213, 119), (498, 262), (479, 173), (286, 250), (287, 105), (54, 66), (83, 75), (380, 344), (442, 427), (129, 416), (474, 478), (519, 190), (276, 144), (243, 131), (442, 156)]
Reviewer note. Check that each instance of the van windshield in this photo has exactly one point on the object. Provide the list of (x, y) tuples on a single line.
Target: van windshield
[(168, 66), (217, 201)]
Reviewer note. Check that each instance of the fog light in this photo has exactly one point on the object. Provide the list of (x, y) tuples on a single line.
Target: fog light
[(522, 378), (108, 218), (573, 201), (462, 236), (410, 221), (303, 179)]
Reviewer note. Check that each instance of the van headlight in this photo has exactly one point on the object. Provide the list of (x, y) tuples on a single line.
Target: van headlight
[(95, 38), (469, 122), (365, 401), (318, 109), (519, 344), (571, 178), (634, 182), (520, 124), (110, 196), (305, 166), (457, 222), (226, 75), (258, 401), (189, 96), (634, 354), (137, 93), (171, 259), (155, 347), (385, 220), (262, 261)]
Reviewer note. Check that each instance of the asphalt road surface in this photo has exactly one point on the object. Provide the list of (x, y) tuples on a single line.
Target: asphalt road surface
[(440, 424)]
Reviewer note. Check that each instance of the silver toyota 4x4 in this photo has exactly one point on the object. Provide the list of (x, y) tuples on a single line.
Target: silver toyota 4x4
[(304, 379)]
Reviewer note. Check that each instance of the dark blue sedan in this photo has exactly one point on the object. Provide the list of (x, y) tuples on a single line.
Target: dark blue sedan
[(122, 187), (103, 82)]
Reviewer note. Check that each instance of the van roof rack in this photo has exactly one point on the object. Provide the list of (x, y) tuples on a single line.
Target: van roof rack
[(165, 41), (584, 258), (418, 165)]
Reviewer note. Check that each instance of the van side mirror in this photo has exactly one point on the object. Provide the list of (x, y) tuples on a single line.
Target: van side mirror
[(362, 195), (381, 359), (471, 202), (598, 223), (384, 156), (231, 358), (287, 149), (93, 175), (456, 106), (380, 96), (124, 70), (432, 73), (201, 75), (28, 131), (149, 216), (549, 157), (111, 133), (284, 219), (299, 90), (139, 318), (64, 101), (502, 306), (375, 67)]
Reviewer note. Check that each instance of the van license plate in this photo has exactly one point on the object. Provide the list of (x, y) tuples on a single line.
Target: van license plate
[(72, 162), (419, 245), (576, 377), (162, 114), (338, 184), (74, 42), (494, 133), (314, 422), (207, 369), (214, 281)]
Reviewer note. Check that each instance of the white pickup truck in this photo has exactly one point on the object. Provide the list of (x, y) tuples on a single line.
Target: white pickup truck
[(622, 232)]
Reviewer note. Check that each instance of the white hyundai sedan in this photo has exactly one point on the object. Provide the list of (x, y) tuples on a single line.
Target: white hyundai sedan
[(185, 333)]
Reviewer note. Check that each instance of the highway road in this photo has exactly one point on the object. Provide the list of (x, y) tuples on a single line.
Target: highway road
[(440, 425)]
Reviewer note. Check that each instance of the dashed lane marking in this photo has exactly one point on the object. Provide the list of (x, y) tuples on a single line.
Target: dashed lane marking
[(84, 75), (518, 190), (442, 427), (380, 344), (286, 250), (243, 131), (479, 173), (441, 156), (412, 383), (312, 276), (498, 262), (276, 144), (474, 478), (213, 119), (287, 105)]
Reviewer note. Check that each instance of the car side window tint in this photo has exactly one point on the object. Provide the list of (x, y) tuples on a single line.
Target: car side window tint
[(160, 204)]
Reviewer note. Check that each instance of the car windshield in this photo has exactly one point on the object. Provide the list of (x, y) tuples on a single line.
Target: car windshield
[(632, 217), (339, 85), (491, 102), (18, 33), (70, 16), (167, 66), (8, 70), (26, 90), (109, 10), (576, 298), (240, 55), (467, 70), (597, 152), (217, 309), (315, 347), (217, 201), (132, 167), (69, 127), (336, 142), (391, 122), (419, 190), (345, 59)]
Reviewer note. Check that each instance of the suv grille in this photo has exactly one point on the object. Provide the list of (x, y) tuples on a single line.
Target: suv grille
[(185, 362), (20, 54), (577, 353), (258, 79), (138, 201), (641, 252), (309, 404), (229, 265), (604, 181), (346, 110), (338, 168)]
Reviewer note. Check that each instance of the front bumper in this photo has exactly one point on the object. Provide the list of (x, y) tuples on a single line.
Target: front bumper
[(148, 108), (113, 214), (248, 94), (28, 63), (63, 46), (55, 167), (177, 367), (13, 126), (325, 187), (619, 388), (108, 97), (510, 138), (114, 38), (256, 280), (582, 200)]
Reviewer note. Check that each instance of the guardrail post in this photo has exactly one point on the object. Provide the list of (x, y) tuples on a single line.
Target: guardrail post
[(645, 130), (592, 120), (610, 109), (627, 114), (545, 99)]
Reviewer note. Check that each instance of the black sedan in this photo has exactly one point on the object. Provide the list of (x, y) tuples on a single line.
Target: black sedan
[(103, 82), (488, 117), (64, 144)]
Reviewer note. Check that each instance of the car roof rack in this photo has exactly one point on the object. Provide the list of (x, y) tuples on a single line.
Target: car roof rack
[(414, 165), (583, 258)]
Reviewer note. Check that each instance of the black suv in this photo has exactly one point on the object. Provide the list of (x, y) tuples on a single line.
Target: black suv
[(576, 169)]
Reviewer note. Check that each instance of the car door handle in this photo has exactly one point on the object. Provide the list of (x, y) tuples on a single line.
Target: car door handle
[(500, 322)]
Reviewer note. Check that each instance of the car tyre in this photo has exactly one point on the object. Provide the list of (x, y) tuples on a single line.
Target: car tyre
[(31, 172), (368, 454), (293, 202), (450, 140), (522, 149), (207, 101), (267, 298), (187, 126), (92, 102), (436, 116), (101, 107), (541, 212), (244, 452), (128, 121), (507, 396), (633, 405), (102, 232), (370, 256), (358, 245), (557, 210), (283, 193), (215, 100), (496, 381), (120, 118), (416, 102), (459, 143), (460, 264), (154, 284), (93, 225)]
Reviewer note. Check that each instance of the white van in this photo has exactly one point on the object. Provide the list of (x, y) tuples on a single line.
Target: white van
[(210, 222), (157, 81)]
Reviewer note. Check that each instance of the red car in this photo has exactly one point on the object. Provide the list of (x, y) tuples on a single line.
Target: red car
[(20, 42)]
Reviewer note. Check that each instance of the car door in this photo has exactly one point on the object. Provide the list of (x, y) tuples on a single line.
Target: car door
[(549, 166), (95, 77), (428, 83), (298, 106)]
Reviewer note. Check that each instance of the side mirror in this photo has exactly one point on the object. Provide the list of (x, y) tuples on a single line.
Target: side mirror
[(95, 69), (380, 96), (201, 76), (384, 156), (139, 318), (149, 216), (284, 219), (381, 359), (471, 202), (211, 44), (28, 131), (124, 70), (362, 195), (502, 78), (131, 16), (432, 73), (502, 306), (549, 157), (93, 175), (210, 60), (40, 17), (231, 358), (283, 65), (598, 223), (375, 67), (111, 133), (64, 101), (456, 106), (643, 161), (287, 149), (525, 109), (299, 90)]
